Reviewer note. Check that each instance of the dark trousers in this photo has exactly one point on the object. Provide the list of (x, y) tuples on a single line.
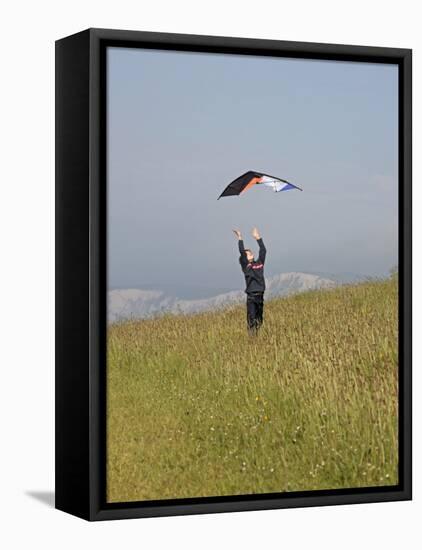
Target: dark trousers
[(254, 310)]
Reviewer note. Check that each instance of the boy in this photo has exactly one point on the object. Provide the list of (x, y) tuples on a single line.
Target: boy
[(253, 271)]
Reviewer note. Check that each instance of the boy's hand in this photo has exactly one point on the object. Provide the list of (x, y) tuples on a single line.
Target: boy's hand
[(238, 234), (255, 233)]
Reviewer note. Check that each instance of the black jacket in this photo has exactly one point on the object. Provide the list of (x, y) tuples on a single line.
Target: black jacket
[(253, 271)]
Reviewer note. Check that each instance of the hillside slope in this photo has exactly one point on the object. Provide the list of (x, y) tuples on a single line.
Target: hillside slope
[(196, 407)]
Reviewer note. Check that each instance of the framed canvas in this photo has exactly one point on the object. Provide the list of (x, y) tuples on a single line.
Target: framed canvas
[(195, 374)]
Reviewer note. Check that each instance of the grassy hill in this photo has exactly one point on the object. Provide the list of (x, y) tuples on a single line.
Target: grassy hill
[(196, 407)]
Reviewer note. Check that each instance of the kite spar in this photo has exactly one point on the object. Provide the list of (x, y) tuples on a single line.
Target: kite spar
[(251, 178)]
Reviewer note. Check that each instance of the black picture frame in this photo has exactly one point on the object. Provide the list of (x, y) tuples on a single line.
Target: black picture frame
[(81, 272)]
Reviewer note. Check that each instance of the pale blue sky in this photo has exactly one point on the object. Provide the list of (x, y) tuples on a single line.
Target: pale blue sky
[(181, 126)]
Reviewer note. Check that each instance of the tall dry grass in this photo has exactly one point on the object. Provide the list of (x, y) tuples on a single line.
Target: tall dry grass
[(197, 407)]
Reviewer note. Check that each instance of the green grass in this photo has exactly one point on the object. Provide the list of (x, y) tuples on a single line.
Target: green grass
[(197, 407)]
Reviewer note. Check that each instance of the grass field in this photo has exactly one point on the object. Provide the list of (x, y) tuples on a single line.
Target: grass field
[(196, 407)]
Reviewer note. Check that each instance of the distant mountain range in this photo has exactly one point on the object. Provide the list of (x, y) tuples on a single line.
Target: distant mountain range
[(124, 304)]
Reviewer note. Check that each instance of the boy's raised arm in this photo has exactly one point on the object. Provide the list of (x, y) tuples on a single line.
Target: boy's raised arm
[(262, 250), (243, 260)]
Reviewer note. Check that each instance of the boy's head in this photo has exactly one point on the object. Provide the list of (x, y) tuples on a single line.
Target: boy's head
[(249, 255)]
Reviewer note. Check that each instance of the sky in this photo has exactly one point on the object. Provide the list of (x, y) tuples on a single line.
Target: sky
[(182, 125)]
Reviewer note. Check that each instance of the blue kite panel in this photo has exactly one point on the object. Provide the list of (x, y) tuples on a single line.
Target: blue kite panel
[(287, 187)]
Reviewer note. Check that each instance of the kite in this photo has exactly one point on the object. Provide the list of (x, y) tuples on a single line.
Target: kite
[(251, 178)]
